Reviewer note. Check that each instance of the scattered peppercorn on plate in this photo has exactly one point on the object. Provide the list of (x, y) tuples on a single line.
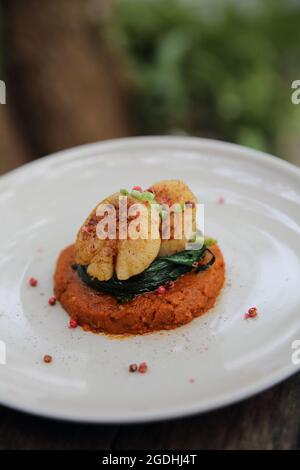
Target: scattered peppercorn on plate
[(156, 353)]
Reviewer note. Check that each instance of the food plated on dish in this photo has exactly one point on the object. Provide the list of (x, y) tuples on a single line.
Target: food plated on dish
[(225, 355), (139, 264)]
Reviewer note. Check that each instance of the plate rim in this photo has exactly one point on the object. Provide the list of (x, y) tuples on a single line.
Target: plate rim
[(172, 414), (238, 151)]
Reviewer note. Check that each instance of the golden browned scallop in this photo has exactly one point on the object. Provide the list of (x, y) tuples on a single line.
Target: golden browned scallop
[(122, 257), (170, 192)]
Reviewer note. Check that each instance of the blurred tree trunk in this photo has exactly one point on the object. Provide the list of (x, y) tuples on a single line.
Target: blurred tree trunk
[(13, 150), (64, 84)]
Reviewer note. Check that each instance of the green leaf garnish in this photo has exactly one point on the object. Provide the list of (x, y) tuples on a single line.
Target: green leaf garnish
[(209, 241), (124, 192)]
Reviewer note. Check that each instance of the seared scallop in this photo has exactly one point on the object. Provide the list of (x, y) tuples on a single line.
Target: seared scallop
[(170, 193), (123, 257)]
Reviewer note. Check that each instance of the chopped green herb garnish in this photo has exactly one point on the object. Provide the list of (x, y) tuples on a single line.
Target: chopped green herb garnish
[(147, 196), (209, 241), (136, 194), (124, 192)]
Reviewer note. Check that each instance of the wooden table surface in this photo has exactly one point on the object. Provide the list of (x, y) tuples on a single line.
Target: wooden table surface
[(270, 420)]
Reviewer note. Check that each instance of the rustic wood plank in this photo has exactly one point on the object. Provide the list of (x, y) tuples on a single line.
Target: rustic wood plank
[(24, 432), (78, 95), (13, 148)]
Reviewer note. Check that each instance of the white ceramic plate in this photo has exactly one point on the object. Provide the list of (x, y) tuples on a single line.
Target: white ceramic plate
[(215, 360)]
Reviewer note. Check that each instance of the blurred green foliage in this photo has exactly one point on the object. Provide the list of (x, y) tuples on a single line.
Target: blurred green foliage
[(224, 73)]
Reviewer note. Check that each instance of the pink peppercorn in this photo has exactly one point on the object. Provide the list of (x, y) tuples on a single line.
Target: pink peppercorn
[(143, 367), (33, 282), (160, 290), (252, 313), (47, 359), (73, 323), (52, 301)]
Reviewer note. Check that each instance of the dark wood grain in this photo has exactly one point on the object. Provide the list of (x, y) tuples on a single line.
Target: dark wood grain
[(270, 420)]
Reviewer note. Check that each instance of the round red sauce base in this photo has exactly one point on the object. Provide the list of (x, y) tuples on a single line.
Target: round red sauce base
[(191, 296)]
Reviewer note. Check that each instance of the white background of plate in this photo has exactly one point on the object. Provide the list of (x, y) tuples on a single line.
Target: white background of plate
[(218, 358)]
